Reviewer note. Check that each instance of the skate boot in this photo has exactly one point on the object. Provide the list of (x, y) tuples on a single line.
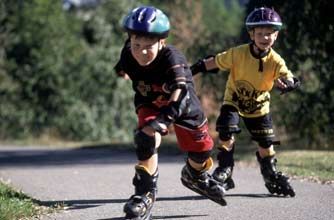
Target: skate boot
[(275, 181), (223, 173), (202, 182), (139, 206)]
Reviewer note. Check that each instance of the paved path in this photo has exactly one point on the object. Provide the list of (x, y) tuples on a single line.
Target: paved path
[(95, 183)]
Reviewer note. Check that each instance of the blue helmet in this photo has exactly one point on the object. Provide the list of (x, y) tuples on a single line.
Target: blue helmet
[(263, 17), (147, 20)]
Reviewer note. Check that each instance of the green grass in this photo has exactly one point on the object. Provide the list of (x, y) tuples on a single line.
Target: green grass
[(15, 205), (309, 164), (316, 165)]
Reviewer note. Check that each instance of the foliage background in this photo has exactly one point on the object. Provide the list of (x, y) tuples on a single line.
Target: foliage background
[(56, 66)]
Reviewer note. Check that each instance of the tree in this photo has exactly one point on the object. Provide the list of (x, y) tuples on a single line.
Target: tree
[(55, 78)]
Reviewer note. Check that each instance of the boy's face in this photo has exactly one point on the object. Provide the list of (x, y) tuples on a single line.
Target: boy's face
[(144, 49), (264, 37)]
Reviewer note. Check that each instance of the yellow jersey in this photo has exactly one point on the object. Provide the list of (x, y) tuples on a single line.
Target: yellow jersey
[(247, 88)]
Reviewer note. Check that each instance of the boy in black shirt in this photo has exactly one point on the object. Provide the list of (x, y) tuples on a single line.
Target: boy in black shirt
[(164, 95)]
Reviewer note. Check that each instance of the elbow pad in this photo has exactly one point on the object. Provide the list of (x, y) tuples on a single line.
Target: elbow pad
[(199, 66)]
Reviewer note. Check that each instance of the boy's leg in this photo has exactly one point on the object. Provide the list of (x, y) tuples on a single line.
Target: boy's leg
[(276, 182), (261, 130), (227, 125), (145, 180), (140, 204), (223, 172), (194, 175)]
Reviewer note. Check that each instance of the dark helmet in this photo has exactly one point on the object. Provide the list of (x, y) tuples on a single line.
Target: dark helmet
[(263, 17), (147, 20)]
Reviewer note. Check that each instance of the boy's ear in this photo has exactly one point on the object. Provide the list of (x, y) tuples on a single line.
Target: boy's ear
[(162, 43), (251, 34), (276, 34)]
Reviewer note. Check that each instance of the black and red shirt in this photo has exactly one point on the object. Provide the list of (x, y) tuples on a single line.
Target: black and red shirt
[(152, 83)]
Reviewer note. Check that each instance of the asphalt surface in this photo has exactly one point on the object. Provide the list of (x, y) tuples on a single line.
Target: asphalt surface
[(94, 184)]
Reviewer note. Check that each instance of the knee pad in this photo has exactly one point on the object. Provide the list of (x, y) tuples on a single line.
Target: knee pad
[(145, 145), (225, 135), (227, 132), (226, 141), (199, 157), (266, 142)]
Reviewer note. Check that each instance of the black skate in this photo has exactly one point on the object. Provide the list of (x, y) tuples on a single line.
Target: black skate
[(202, 183), (224, 176), (139, 206), (276, 182), (223, 173)]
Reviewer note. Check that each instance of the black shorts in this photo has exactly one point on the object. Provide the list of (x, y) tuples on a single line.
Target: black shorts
[(260, 128)]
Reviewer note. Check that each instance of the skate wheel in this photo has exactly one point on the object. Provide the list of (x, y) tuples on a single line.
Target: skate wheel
[(292, 193), (220, 201)]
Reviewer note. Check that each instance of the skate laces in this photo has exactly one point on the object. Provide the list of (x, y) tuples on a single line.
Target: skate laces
[(207, 181), (222, 173)]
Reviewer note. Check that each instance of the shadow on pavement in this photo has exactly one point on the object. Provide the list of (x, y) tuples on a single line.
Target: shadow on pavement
[(250, 195), (257, 195), (160, 217), (88, 203), (102, 154)]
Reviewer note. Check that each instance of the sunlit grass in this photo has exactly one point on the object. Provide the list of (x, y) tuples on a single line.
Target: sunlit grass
[(317, 165), (15, 205)]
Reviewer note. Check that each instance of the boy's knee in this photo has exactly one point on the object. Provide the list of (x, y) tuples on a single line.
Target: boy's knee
[(226, 139), (265, 142), (146, 145)]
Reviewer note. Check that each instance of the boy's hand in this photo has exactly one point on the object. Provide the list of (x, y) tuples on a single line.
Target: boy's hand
[(280, 83), (287, 85), (154, 126)]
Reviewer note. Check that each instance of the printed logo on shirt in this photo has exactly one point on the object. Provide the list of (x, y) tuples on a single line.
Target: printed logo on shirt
[(143, 88), (247, 97)]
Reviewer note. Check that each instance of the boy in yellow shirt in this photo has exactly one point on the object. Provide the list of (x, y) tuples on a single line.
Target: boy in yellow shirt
[(254, 68)]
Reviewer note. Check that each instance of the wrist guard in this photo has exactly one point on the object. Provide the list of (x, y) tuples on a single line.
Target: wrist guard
[(158, 126), (290, 85)]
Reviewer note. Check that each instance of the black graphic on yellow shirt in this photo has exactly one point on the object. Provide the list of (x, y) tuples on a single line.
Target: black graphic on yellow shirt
[(247, 97)]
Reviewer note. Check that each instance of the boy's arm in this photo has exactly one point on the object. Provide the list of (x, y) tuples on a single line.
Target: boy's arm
[(119, 67), (178, 104), (119, 70), (285, 80), (207, 64)]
